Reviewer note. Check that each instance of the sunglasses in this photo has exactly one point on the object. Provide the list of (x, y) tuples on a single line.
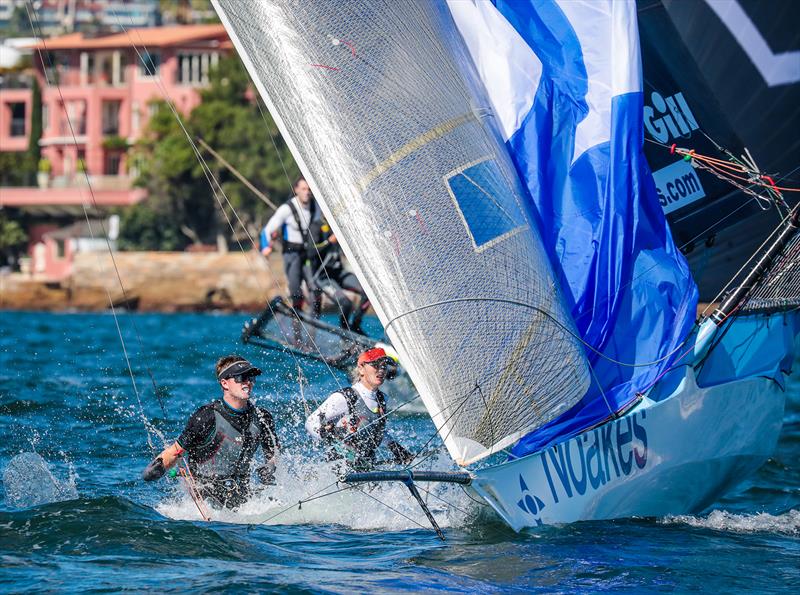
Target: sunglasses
[(388, 365), (242, 378)]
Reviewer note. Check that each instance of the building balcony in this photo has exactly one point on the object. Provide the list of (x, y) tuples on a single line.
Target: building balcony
[(74, 78), (106, 191)]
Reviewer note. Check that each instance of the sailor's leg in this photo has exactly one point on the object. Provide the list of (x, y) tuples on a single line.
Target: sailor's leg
[(350, 281), (293, 266), (314, 290)]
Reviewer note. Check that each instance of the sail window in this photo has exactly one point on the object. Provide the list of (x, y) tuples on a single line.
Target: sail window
[(486, 203)]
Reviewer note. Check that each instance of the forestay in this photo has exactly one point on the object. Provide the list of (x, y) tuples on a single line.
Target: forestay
[(404, 157)]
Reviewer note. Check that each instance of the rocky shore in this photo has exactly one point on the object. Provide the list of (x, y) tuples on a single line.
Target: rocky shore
[(151, 282)]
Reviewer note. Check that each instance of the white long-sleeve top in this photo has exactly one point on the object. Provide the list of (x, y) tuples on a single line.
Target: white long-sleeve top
[(283, 220), (334, 408)]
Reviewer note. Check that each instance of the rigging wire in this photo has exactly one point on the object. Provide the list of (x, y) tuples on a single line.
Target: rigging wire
[(149, 428), (213, 181)]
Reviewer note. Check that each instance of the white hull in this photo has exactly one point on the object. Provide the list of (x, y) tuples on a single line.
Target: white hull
[(675, 456)]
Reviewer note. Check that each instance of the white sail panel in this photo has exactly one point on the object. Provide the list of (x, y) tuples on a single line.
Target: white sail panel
[(405, 160)]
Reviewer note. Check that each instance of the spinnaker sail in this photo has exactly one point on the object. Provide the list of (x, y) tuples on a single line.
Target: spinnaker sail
[(575, 136), (403, 154)]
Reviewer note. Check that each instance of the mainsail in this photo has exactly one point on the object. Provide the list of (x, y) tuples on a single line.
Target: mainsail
[(404, 156)]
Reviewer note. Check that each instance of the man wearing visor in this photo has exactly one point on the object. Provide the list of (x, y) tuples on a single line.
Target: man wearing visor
[(221, 439), (352, 420)]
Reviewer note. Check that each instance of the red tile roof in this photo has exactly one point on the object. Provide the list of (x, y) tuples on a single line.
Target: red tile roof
[(147, 37)]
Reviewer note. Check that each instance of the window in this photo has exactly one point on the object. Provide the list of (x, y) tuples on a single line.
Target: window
[(193, 67), (60, 248), (17, 119), (149, 61), (45, 117), (111, 117), (112, 162)]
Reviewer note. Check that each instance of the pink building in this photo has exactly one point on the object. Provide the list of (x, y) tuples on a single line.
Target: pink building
[(96, 91), (96, 101)]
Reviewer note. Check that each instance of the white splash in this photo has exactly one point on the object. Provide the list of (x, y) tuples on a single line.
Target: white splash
[(384, 506), (28, 482), (720, 520)]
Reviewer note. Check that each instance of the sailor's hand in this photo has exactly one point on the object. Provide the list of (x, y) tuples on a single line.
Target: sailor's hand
[(266, 473), (266, 251), (400, 455), (155, 470), (332, 239), (329, 433)]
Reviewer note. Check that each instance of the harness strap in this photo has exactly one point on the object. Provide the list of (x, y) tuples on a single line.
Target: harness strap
[(305, 233), (352, 398)]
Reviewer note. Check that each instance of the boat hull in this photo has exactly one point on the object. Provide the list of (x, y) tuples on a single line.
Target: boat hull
[(674, 456)]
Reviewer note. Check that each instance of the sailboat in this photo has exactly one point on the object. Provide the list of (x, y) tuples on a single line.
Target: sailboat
[(482, 168)]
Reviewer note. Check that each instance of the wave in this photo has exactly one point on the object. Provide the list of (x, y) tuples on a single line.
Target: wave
[(787, 523)]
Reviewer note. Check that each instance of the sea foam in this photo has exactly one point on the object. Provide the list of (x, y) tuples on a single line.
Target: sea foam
[(787, 523)]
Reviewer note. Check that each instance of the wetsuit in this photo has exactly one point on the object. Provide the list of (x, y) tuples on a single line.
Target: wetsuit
[(220, 442), (292, 220), (352, 422)]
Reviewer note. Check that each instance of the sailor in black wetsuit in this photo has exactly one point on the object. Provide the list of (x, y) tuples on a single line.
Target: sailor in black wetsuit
[(222, 437)]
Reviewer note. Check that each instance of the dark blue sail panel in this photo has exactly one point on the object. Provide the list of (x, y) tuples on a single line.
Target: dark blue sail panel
[(485, 202), (578, 150)]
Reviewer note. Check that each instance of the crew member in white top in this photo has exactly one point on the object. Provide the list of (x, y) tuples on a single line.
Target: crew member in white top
[(291, 222), (352, 421)]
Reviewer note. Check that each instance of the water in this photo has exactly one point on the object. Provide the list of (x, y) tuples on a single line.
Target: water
[(66, 394)]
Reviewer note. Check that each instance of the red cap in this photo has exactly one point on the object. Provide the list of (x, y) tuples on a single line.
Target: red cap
[(371, 355)]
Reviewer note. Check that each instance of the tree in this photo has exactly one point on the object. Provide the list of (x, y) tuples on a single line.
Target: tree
[(12, 237), (182, 207)]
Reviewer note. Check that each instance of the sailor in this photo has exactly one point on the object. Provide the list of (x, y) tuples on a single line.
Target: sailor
[(352, 420), (332, 278), (291, 221), (221, 439)]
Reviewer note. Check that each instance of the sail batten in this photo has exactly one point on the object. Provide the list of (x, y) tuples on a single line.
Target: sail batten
[(389, 130)]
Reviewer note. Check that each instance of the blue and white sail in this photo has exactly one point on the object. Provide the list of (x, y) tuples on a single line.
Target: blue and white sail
[(564, 79)]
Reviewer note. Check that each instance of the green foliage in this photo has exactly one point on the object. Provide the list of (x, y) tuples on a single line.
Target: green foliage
[(181, 205), (17, 169), (12, 234), (115, 143), (142, 228)]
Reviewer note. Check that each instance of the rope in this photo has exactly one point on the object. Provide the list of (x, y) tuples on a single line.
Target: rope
[(149, 429)]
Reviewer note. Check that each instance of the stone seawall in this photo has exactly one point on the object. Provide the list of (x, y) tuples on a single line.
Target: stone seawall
[(152, 281)]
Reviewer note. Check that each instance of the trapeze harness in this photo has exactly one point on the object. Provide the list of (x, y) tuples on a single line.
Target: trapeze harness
[(221, 465), (365, 430), (288, 246)]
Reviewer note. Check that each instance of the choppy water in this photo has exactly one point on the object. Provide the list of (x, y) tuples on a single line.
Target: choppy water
[(66, 394)]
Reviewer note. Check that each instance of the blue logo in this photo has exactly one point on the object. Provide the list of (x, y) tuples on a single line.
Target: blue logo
[(530, 503)]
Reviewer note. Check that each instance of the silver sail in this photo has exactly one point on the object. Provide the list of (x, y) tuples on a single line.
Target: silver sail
[(403, 157)]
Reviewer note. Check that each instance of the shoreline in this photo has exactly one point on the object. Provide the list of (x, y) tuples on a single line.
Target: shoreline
[(161, 282)]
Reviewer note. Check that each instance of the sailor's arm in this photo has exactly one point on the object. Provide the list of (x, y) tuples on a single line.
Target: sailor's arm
[(322, 421), (400, 454), (158, 466), (282, 213), (199, 427)]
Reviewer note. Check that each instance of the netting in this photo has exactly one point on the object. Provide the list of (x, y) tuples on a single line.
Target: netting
[(284, 329), (378, 105), (779, 289)]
